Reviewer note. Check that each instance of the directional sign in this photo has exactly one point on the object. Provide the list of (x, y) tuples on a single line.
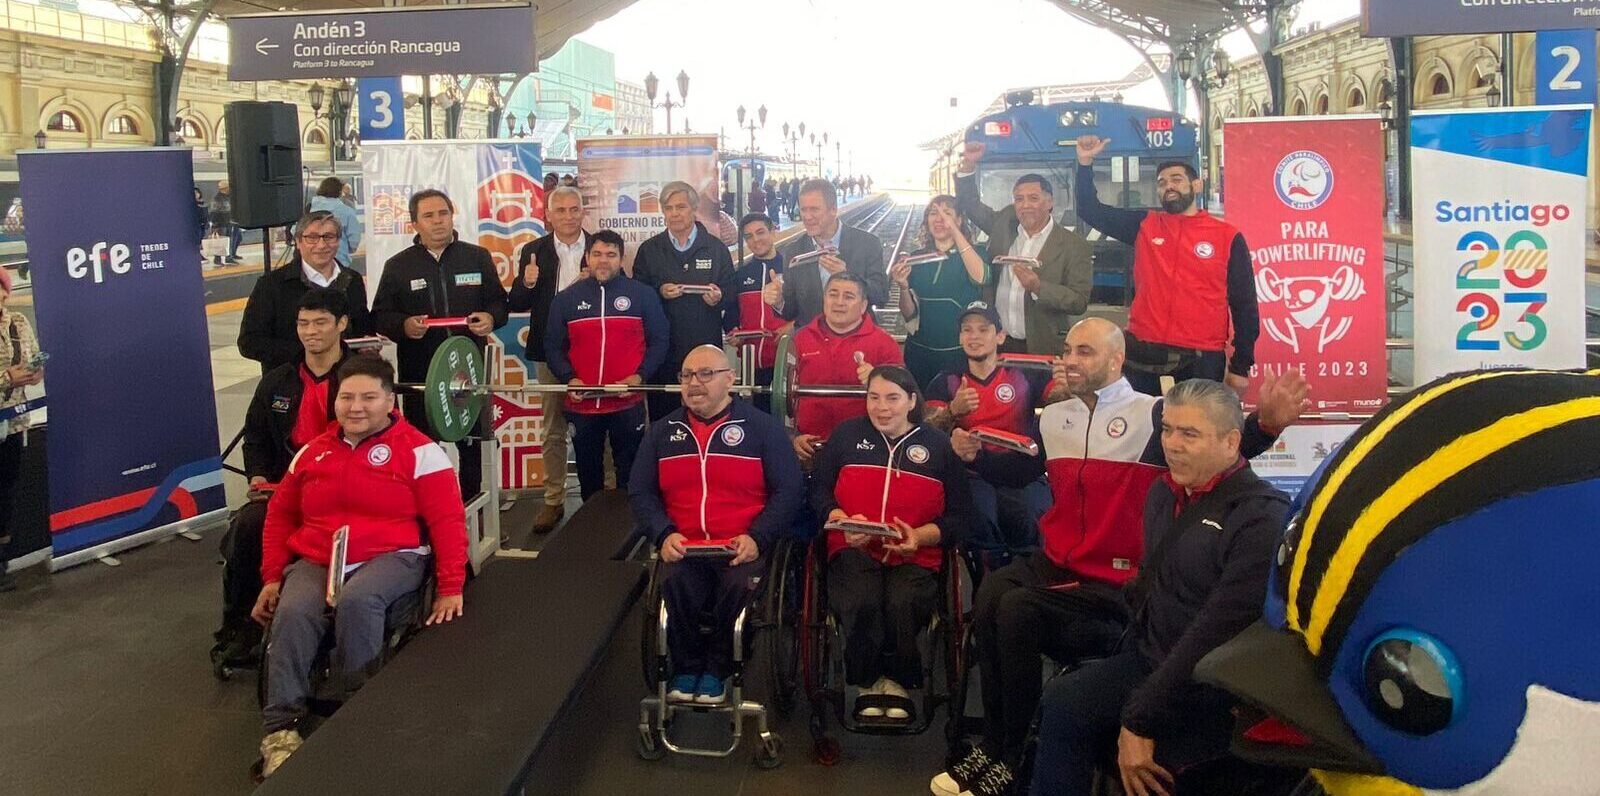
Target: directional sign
[(1393, 18), (382, 109), (431, 40), (1565, 73)]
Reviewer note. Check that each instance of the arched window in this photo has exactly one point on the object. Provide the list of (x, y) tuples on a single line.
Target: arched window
[(1440, 86), (1356, 100), (316, 137), (1299, 107), (65, 122), (123, 124), (192, 132), (1322, 105), (1482, 76)]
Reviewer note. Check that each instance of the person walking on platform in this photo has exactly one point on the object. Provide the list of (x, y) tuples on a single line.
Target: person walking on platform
[(765, 265), (757, 201), (713, 470), (1037, 305), (267, 332), (443, 279), (1195, 290), (546, 267), (293, 403), (692, 271), (390, 486), (18, 370), (606, 329), (798, 296), (794, 200), (222, 221), (838, 349), (330, 197), (933, 295)]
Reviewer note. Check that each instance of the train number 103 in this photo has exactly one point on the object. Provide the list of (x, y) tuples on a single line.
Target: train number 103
[(1522, 263)]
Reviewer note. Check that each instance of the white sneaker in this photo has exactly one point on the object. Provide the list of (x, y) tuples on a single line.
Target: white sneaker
[(891, 688), (964, 774), (872, 690), (276, 748)]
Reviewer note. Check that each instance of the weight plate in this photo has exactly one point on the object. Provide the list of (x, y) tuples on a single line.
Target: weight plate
[(452, 407), (783, 382)]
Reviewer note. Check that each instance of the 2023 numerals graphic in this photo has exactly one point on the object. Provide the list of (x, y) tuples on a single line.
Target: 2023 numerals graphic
[(1523, 263)]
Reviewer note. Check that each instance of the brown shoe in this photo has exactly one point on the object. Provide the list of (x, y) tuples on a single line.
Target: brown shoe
[(548, 517)]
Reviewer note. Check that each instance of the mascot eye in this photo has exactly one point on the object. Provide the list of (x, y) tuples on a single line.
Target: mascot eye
[(1412, 682)]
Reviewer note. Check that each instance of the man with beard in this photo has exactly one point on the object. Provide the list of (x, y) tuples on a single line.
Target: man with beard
[(1193, 280), (1101, 451)]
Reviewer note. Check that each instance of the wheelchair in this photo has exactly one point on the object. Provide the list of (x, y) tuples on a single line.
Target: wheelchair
[(769, 620), (822, 659)]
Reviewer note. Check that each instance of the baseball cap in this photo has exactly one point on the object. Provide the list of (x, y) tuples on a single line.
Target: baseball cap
[(982, 308)]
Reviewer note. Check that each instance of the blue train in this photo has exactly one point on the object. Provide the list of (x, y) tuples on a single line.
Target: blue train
[(1042, 139)]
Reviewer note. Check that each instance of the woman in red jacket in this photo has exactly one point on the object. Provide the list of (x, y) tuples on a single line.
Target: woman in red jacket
[(891, 468), (385, 481)]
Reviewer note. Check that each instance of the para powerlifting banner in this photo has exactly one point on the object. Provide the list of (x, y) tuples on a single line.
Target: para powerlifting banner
[(1308, 197), (132, 446), (1499, 200)]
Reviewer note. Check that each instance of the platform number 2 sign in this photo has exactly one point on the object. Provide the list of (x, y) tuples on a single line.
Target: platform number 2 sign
[(1566, 67), (382, 109)]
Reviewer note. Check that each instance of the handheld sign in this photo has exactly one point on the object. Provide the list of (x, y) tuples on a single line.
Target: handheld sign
[(1025, 262), (437, 322), (815, 254), (696, 290), (880, 529), (709, 548), (924, 259), (341, 545), (1016, 443), (1028, 361)]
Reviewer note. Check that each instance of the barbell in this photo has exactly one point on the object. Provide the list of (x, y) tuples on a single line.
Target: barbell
[(456, 388)]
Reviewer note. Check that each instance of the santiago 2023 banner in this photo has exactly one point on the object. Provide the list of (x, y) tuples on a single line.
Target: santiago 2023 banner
[(1308, 197), (1499, 205), (132, 448)]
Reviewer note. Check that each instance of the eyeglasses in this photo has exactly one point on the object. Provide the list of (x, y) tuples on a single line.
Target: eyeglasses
[(704, 375), (331, 237)]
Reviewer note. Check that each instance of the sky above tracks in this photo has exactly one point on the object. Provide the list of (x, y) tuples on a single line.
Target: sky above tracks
[(877, 75)]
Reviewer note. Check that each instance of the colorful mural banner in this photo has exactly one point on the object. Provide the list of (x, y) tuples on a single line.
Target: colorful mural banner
[(495, 185), (1499, 205), (1314, 193)]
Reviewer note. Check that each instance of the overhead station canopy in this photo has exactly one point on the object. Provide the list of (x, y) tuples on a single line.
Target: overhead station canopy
[(556, 20), (1169, 22)]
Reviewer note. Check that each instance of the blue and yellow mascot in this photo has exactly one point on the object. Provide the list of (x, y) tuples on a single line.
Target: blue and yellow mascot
[(1433, 622)]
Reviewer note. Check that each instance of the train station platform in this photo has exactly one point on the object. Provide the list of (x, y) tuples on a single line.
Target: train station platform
[(107, 688)]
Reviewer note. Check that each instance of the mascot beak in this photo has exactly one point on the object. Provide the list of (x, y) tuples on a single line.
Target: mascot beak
[(1289, 716)]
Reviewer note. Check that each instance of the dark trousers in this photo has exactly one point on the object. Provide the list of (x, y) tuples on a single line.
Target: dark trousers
[(1079, 720), (1211, 365), (624, 429), (881, 611), (701, 593), (10, 476), (302, 619), (1010, 516), (1016, 618), (241, 570)]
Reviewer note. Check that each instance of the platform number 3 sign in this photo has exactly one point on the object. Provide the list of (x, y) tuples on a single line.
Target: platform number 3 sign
[(382, 109), (1566, 67)]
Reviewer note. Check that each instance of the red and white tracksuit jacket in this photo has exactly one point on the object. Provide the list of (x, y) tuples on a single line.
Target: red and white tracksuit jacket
[(395, 489)]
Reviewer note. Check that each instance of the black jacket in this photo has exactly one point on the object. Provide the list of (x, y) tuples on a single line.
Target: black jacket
[(707, 262), (1203, 581), (536, 300), (271, 417), (462, 281), (267, 334)]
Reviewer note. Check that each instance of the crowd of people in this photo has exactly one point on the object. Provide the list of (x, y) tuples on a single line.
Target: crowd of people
[(1130, 539), (778, 198)]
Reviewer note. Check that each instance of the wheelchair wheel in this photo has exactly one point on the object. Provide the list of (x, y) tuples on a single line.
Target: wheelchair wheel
[(781, 644), (769, 754), (649, 746), (650, 630)]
